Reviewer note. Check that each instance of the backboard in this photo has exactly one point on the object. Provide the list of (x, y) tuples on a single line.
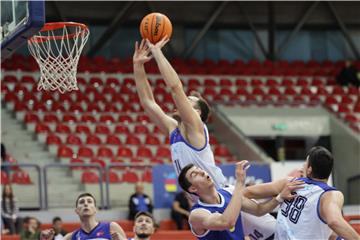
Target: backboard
[(19, 21)]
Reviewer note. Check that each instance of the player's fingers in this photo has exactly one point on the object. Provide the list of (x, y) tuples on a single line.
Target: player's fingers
[(142, 44), (136, 46)]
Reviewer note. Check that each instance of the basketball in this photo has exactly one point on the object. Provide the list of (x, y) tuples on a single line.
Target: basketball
[(155, 26)]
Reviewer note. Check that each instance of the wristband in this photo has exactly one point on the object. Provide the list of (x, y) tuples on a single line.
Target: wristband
[(279, 199)]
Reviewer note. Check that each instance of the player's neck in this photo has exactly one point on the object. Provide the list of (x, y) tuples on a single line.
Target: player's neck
[(137, 238), (88, 224), (211, 197), (319, 180)]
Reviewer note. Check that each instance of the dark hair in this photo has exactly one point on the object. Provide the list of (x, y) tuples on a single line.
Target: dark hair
[(203, 106), (11, 198), (321, 161), (184, 183), (55, 219), (84, 195)]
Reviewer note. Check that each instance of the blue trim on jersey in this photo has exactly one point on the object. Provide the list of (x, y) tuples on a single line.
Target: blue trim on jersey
[(175, 136), (323, 185), (318, 204), (102, 230)]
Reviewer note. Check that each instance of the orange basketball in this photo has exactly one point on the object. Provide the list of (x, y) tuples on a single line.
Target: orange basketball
[(155, 26)]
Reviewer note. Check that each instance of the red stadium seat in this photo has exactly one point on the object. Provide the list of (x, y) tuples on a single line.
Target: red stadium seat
[(290, 91), (124, 152), (130, 177), (112, 81), (132, 140), (31, 118), (193, 82), (141, 129), (20, 177), (331, 100), (4, 178), (62, 128), (210, 82), (143, 151), (143, 118), (111, 108), (42, 128), (53, 139), (93, 139), (73, 139), (256, 82), (287, 82), (102, 129), (113, 140), (258, 91), (65, 151), (224, 82), (85, 152), (105, 152), (125, 119), (82, 129), (88, 118), (69, 118), (338, 90), (121, 129), (163, 152), (107, 119), (114, 178), (147, 176), (100, 162), (77, 161), (152, 140), (274, 91), (89, 178), (93, 107), (76, 108), (222, 151), (241, 83), (51, 118)]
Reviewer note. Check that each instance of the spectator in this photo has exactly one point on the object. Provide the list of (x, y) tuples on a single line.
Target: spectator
[(4, 160), (32, 229), (139, 201), (144, 226), (348, 75), (57, 226), (9, 210), (180, 209)]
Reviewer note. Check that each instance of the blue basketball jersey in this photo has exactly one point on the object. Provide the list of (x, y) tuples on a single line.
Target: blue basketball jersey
[(100, 232), (235, 233)]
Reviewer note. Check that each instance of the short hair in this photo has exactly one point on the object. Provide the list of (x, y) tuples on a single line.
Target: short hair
[(85, 195), (55, 219), (145, 213), (183, 181), (203, 106), (321, 161)]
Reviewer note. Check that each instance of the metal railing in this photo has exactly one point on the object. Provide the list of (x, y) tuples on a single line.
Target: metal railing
[(28, 165), (85, 166)]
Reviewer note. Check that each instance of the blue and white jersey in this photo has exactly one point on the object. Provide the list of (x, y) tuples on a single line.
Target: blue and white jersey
[(300, 218), (100, 232), (183, 153), (235, 233)]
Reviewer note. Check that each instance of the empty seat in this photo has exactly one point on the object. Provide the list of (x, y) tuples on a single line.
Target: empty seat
[(88, 118), (69, 118), (102, 129), (77, 161), (31, 118), (82, 129), (141, 129), (65, 151), (107, 119), (143, 118), (21, 177), (132, 140), (210, 82), (105, 152), (222, 151), (50, 118), (124, 152), (42, 128), (125, 119), (113, 177), (163, 152), (85, 152), (53, 139), (93, 139), (152, 140), (113, 140), (73, 139), (130, 176), (147, 176), (143, 151), (88, 177), (99, 162), (121, 129), (62, 128), (4, 178)]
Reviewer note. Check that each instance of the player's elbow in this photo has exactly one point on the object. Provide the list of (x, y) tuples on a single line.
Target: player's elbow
[(334, 224), (229, 223)]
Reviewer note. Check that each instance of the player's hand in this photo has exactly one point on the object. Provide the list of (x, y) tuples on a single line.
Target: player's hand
[(240, 172), (47, 234), (157, 46), (141, 54), (289, 191), (116, 236)]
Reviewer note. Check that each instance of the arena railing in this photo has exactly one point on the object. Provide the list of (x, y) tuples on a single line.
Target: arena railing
[(28, 165), (107, 176), (62, 165)]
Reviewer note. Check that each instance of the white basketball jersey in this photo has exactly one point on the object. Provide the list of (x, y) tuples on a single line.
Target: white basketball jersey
[(183, 153), (299, 218)]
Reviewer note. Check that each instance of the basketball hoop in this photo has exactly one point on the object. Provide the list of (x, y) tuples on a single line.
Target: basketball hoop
[(57, 48)]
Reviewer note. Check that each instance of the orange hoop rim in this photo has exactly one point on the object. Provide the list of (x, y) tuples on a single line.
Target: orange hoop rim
[(58, 25)]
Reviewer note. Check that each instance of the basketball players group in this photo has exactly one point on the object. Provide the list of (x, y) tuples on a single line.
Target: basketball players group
[(308, 207)]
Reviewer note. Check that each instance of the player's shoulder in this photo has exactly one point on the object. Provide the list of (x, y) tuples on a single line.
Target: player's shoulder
[(333, 195)]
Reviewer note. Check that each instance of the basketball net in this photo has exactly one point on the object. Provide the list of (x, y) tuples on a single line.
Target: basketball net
[(57, 48)]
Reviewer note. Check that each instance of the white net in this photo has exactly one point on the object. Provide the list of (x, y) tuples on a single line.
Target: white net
[(57, 51)]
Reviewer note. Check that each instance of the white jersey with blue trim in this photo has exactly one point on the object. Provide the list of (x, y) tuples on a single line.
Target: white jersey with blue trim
[(183, 153), (300, 218)]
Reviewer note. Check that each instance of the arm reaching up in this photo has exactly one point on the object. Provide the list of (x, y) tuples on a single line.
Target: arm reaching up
[(153, 110)]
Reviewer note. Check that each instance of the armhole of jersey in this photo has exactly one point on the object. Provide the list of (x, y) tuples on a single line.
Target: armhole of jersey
[(318, 205), (191, 228)]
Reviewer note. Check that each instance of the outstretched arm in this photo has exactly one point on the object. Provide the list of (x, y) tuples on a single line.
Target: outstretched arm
[(117, 233), (265, 190), (153, 110), (189, 116), (331, 204), (202, 220)]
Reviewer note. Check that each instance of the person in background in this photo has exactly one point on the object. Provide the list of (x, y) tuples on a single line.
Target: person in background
[(32, 230), (57, 226), (139, 201), (4, 160), (144, 226), (180, 209), (348, 75), (9, 210)]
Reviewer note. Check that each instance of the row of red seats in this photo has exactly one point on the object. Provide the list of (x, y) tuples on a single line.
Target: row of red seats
[(128, 176), (125, 151), (17, 177)]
